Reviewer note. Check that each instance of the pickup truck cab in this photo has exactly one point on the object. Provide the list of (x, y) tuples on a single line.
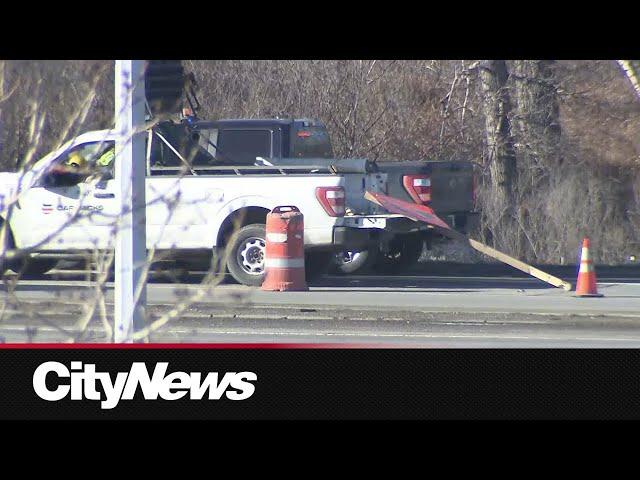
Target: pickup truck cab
[(206, 194), (241, 141)]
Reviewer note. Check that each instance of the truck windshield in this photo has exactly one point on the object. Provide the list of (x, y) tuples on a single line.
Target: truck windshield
[(311, 142)]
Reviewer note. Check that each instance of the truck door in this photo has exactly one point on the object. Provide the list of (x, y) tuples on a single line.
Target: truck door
[(178, 203), (42, 217), (59, 212)]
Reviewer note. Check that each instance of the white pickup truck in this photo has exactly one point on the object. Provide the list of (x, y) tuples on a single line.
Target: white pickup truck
[(196, 205)]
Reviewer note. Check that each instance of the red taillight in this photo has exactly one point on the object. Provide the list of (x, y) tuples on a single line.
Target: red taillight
[(304, 134), (332, 200), (418, 187)]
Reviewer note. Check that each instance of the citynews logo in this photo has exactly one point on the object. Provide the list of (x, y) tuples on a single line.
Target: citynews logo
[(83, 380)]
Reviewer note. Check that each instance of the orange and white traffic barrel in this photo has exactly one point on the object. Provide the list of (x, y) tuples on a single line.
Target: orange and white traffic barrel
[(284, 254)]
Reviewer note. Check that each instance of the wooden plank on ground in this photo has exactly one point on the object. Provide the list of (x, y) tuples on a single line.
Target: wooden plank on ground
[(520, 265), (422, 213)]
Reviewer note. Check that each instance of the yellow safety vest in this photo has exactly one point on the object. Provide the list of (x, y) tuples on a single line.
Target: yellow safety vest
[(106, 158)]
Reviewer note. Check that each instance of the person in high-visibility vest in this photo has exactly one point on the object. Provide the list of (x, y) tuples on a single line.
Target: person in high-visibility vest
[(104, 164), (107, 157)]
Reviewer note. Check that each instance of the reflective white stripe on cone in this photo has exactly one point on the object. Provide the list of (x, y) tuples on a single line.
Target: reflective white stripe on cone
[(284, 263)]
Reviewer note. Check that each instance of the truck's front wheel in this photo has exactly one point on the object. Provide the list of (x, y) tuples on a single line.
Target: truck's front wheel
[(27, 266)]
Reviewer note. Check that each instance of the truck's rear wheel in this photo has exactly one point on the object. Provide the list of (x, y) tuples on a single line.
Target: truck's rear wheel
[(404, 252), (352, 261), (246, 253)]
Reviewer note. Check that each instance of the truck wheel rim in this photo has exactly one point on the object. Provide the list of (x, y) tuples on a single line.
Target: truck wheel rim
[(348, 257), (251, 255)]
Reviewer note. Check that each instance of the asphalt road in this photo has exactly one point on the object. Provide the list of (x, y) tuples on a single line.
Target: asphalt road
[(402, 311)]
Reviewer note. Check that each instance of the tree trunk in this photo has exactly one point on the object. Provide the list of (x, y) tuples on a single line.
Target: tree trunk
[(500, 154), (536, 120)]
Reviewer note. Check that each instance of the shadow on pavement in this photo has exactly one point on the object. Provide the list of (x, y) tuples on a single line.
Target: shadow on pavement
[(391, 282), (440, 275), (354, 281), (631, 272)]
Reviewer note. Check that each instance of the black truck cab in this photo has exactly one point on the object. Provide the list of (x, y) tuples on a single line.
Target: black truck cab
[(240, 142)]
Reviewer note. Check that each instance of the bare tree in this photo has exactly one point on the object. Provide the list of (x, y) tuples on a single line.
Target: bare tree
[(535, 118), (496, 106), (559, 141), (100, 260)]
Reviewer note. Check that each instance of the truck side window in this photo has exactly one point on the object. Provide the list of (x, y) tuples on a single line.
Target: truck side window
[(161, 155), (82, 162), (155, 155), (175, 148), (203, 147), (241, 147), (311, 142), (168, 158)]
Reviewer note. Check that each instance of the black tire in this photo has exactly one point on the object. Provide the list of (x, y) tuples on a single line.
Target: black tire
[(25, 266), (404, 252), (316, 263), (361, 261), (245, 249), (33, 267), (6, 265)]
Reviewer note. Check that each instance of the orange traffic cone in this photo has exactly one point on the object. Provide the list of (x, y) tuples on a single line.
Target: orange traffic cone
[(586, 286)]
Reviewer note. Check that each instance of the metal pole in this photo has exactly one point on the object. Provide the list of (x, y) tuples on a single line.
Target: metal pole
[(130, 248)]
